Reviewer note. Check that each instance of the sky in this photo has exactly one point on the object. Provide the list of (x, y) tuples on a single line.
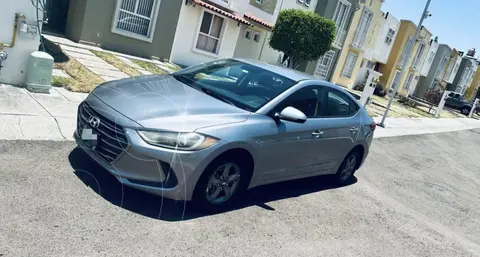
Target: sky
[(455, 22)]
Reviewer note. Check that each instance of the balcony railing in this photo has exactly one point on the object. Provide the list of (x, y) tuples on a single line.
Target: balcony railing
[(339, 38)]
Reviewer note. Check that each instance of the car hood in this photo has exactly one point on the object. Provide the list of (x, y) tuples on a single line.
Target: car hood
[(162, 102)]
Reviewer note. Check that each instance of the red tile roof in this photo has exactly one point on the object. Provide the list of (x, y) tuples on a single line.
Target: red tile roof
[(233, 16), (258, 20)]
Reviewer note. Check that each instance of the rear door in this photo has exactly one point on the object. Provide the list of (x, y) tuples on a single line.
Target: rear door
[(340, 128)]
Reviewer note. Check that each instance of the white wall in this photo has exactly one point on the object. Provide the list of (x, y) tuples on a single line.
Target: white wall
[(427, 65), (382, 50), (268, 54), (183, 49), (453, 74), (259, 13), (14, 69), (248, 48)]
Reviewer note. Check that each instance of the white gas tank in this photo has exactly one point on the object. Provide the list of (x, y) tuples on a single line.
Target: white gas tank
[(39, 72)]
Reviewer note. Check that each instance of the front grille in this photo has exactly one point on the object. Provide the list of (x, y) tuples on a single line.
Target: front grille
[(111, 139)]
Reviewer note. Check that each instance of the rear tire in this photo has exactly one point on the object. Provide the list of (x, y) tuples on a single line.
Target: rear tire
[(465, 110), (221, 185), (347, 169)]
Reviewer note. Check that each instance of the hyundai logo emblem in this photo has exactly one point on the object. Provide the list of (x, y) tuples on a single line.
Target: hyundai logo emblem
[(94, 121)]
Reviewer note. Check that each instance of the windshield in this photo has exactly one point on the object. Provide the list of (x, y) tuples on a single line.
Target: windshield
[(243, 85)]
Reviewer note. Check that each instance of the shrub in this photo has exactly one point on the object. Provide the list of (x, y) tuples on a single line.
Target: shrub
[(380, 90), (433, 96), (302, 36)]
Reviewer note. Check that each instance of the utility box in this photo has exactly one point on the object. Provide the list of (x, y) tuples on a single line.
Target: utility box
[(39, 72)]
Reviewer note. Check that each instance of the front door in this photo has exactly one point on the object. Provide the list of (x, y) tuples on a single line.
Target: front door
[(290, 151)]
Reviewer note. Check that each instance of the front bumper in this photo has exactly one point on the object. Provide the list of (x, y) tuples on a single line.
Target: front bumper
[(168, 173)]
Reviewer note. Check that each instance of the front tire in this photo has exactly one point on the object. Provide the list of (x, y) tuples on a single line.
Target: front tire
[(347, 169), (221, 184)]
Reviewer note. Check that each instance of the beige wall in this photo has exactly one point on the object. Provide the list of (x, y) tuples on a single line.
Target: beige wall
[(337, 77)]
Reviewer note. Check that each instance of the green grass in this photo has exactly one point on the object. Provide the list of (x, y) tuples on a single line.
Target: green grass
[(149, 66), (117, 63), (83, 80), (61, 81)]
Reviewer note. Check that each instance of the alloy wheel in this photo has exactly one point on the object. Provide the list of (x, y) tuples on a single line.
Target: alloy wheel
[(223, 183), (349, 167)]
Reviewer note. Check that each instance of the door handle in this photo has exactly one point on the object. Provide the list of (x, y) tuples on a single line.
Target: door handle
[(317, 133), (354, 129)]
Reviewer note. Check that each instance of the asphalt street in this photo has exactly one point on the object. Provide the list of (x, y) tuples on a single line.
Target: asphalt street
[(415, 196)]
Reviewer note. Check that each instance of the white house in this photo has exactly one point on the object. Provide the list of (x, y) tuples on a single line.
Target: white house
[(206, 32), (380, 51)]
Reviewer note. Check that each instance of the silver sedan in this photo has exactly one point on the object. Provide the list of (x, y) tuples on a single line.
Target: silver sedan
[(210, 132)]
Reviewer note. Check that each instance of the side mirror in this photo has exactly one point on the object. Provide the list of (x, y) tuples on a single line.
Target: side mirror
[(291, 114)]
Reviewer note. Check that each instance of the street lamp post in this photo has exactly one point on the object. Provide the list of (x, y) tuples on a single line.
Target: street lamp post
[(425, 14)]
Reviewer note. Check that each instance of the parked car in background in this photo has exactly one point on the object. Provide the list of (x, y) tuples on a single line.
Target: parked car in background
[(209, 132), (456, 101)]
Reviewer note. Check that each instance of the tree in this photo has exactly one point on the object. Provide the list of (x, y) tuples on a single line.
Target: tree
[(302, 36)]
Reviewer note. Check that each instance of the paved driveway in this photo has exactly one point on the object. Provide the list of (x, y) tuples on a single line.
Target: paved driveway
[(415, 196)]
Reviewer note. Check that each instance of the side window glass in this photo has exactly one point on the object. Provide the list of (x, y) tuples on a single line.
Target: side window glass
[(339, 105), (307, 100)]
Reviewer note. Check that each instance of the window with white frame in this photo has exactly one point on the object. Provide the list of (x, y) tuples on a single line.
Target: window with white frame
[(406, 86), (349, 64), (431, 57), (259, 1), (135, 16), (362, 29), (248, 34), (396, 79), (307, 2), (252, 35), (324, 64), (341, 14), (210, 31), (256, 37), (406, 51), (418, 55), (390, 36)]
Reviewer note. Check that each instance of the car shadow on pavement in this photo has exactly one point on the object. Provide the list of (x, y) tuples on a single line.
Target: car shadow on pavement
[(108, 187)]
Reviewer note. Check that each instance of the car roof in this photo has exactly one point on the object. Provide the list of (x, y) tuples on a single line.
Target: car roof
[(286, 72)]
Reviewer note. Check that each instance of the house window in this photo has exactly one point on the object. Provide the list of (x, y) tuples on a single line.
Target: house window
[(341, 14), (418, 55), (431, 57), (455, 70), (349, 64), (209, 34), (259, 1), (390, 35), (256, 37), (406, 86), (248, 34), (135, 16), (405, 52), (307, 2), (324, 64), (362, 29), (396, 79)]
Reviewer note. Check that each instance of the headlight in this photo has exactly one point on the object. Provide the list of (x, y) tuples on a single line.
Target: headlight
[(189, 141)]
